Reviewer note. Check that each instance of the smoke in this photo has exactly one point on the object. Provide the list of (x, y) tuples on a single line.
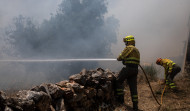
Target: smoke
[(37, 9), (160, 30), (160, 27), (78, 29)]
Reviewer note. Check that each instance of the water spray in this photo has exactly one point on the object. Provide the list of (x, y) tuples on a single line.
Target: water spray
[(57, 60), (75, 60)]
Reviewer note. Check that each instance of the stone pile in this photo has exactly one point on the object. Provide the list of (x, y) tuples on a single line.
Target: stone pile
[(87, 91)]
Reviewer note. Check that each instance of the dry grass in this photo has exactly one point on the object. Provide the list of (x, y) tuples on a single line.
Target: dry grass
[(179, 101)]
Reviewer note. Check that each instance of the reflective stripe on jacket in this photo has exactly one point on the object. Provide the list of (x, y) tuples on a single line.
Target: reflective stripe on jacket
[(167, 64), (130, 55)]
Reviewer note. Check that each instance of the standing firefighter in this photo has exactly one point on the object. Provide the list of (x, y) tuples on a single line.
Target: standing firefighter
[(171, 70), (130, 57)]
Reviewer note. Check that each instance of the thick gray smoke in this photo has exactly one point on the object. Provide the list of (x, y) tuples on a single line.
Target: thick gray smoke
[(77, 30), (159, 26)]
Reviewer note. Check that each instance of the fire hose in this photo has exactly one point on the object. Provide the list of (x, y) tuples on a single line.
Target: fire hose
[(152, 90)]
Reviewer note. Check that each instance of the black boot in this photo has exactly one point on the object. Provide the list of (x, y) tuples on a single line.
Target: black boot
[(135, 106), (120, 99)]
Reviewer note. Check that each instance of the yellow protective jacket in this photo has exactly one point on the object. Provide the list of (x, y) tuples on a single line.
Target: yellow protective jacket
[(167, 64), (130, 55)]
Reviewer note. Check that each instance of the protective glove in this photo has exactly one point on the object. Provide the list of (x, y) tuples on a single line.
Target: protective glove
[(118, 59)]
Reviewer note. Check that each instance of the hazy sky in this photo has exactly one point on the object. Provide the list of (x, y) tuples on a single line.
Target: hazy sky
[(159, 26), (36, 9)]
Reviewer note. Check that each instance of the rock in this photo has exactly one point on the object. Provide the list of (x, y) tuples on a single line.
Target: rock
[(100, 93), (86, 91), (52, 108), (77, 87), (80, 98), (96, 76), (60, 105), (21, 103), (31, 100), (78, 78), (3, 100), (67, 93), (83, 72), (88, 104), (55, 91), (100, 69), (93, 83), (13, 104), (62, 83), (7, 109), (52, 90), (90, 92), (102, 80)]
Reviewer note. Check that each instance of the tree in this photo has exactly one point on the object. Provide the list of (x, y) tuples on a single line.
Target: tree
[(78, 30)]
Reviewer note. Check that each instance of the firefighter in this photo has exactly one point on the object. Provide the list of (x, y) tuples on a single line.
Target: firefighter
[(171, 70), (130, 57)]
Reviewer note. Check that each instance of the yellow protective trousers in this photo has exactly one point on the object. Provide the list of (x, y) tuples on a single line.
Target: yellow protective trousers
[(169, 78)]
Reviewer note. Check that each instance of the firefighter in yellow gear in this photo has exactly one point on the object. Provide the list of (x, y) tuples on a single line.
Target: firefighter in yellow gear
[(171, 70), (130, 57)]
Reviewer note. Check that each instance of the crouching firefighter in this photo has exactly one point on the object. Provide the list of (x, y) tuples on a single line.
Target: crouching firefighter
[(171, 70), (130, 57)]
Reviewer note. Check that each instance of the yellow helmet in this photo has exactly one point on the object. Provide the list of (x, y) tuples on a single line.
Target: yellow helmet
[(128, 38)]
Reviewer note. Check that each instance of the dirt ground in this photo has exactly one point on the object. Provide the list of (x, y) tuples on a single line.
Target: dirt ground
[(178, 101)]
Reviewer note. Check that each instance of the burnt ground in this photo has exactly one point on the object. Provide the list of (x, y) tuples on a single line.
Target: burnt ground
[(178, 101)]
